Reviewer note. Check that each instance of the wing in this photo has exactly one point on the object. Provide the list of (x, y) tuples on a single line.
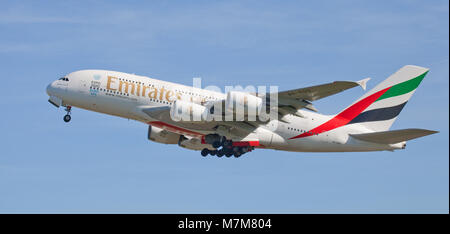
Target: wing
[(239, 130), (290, 101), (317, 92)]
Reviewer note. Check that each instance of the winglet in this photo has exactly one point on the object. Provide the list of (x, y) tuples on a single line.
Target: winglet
[(363, 83)]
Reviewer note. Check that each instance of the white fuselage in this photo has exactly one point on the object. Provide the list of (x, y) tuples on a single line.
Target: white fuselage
[(124, 95)]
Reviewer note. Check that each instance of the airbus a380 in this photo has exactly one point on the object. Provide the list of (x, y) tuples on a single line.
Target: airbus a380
[(362, 126)]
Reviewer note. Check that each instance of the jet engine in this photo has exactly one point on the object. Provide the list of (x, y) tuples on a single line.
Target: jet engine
[(193, 143), (162, 136), (243, 103), (188, 112)]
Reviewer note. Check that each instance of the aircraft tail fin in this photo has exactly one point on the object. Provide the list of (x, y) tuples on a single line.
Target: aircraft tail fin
[(392, 137), (378, 109)]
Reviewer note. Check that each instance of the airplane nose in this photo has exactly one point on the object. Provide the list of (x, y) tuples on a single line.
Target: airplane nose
[(50, 90)]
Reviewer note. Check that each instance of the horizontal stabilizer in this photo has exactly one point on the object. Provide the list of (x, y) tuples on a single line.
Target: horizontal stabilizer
[(392, 137)]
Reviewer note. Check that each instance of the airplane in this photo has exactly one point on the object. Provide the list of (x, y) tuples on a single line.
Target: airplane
[(362, 126)]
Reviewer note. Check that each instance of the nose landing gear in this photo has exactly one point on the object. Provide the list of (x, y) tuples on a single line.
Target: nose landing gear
[(67, 117)]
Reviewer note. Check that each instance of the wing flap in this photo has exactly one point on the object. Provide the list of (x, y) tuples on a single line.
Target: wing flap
[(394, 136)]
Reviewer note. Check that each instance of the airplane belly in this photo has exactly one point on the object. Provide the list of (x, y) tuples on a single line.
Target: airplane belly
[(269, 139)]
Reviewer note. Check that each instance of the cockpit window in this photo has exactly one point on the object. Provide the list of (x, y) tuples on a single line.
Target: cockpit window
[(64, 79)]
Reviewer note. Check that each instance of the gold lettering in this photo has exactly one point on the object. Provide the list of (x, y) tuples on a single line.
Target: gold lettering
[(138, 90), (121, 83), (109, 82), (143, 90), (153, 93), (169, 94), (161, 93)]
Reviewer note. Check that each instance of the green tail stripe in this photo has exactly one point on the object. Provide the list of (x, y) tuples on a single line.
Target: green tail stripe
[(402, 88)]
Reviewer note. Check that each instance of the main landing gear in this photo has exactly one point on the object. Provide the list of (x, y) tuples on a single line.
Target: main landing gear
[(67, 117), (227, 149)]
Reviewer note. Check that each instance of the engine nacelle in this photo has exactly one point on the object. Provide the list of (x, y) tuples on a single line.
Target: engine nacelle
[(193, 143), (188, 112), (162, 136), (243, 103)]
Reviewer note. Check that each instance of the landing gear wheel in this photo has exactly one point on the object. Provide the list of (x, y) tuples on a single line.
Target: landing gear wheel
[(213, 152), (236, 149), (205, 152), (237, 154), (227, 143), (220, 153), (67, 118), (216, 144), (228, 154)]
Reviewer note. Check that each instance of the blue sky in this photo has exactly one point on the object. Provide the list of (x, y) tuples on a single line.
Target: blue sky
[(105, 164)]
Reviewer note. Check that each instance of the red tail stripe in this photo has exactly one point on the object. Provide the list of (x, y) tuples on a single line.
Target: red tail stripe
[(345, 116)]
